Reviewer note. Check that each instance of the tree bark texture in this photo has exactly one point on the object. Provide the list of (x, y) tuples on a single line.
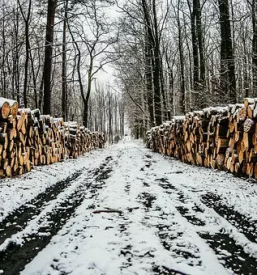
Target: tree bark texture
[(48, 55), (155, 46), (64, 63), (227, 63), (254, 47)]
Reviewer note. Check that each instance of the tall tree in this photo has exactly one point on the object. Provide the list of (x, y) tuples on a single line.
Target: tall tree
[(98, 40), (47, 73), (227, 62), (198, 53), (195, 44), (198, 10), (64, 62), (149, 78), (181, 60), (153, 39), (26, 18), (254, 46)]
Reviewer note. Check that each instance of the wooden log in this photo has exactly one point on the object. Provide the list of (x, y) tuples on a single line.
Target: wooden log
[(20, 170), (245, 141), (3, 126), (220, 158), (248, 101), (4, 108), (238, 136), (249, 169), (23, 127), (13, 107), (229, 163), (213, 164), (11, 145), (242, 114), (2, 173), (8, 171), (221, 143), (231, 142), (255, 170), (231, 126), (4, 140), (20, 121), (252, 155), (248, 125), (250, 111), (1, 149), (4, 154), (240, 156), (237, 168), (12, 133), (22, 138), (28, 166)]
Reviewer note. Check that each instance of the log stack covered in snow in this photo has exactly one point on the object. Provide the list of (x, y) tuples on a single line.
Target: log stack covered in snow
[(28, 139), (216, 137)]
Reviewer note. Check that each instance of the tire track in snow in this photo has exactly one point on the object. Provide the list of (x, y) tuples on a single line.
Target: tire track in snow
[(229, 253), (18, 220), (164, 222), (241, 222), (22, 247), (183, 245)]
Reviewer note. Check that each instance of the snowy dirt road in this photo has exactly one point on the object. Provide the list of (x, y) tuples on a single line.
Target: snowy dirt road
[(126, 210)]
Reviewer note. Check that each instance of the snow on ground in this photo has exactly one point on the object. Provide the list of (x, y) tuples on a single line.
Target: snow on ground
[(18, 191), (147, 214)]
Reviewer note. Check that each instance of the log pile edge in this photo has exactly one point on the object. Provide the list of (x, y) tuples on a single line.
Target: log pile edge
[(29, 139), (222, 138)]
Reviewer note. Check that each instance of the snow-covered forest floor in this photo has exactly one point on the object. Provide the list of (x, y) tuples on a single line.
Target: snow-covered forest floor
[(127, 210)]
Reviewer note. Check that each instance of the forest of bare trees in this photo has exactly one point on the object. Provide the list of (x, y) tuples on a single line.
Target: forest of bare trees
[(167, 56), (183, 55), (51, 53)]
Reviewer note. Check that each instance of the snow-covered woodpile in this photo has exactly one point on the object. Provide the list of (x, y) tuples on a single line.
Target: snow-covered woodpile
[(29, 139), (217, 137)]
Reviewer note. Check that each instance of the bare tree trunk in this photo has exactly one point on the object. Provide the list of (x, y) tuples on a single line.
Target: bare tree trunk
[(110, 117), (245, 79), (16, 58), (164, 97), (152, 34), (157, 69), (182, 70), (149, 80), (201, 53), (89, 86), (198, 54), (27, 47), (121, 112), (64, 63), (254, 46), (195, 45), (34, 79), (227, 70), (3, 46), (81, 87), (170, 82), (48, 55)]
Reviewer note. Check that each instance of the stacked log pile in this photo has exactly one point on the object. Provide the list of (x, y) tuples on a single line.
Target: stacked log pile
[(217, 137), (29, 139)]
